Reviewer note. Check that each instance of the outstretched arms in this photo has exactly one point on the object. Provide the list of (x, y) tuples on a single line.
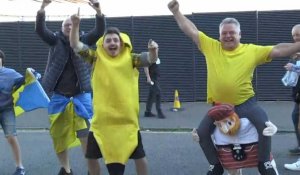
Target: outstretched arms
[(285, 50), (186, 25)]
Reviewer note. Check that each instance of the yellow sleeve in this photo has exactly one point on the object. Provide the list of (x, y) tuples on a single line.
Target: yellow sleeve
[(263, 54), (89, 55)]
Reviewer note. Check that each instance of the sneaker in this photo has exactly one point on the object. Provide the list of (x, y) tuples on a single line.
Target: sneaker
[(295, 151), (62, 171), (149, 114), (266, 168), (216, 169), (294, 166), (19, 171)]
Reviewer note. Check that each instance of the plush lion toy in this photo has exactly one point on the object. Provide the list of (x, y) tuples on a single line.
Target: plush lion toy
[(236, 143)]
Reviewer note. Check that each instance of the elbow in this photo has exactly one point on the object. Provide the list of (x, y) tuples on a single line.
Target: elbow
[(76, 46), (73, 45), (277, 54)]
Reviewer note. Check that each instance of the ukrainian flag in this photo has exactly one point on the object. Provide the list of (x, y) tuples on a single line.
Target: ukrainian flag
[(30, 95), (68, 115)]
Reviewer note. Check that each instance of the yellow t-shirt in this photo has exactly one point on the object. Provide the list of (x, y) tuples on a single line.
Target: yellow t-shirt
[(230, 73)]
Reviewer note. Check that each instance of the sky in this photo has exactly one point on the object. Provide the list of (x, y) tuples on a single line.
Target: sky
[(24, 10)]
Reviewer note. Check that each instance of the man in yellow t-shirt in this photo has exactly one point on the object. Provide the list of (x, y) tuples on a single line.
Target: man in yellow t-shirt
[(230, 67), (114, 133)]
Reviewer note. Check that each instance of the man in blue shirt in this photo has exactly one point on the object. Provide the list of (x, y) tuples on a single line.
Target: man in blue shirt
[(10, 79)]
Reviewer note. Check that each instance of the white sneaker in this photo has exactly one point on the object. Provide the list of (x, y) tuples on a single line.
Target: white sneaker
[(294, 166)]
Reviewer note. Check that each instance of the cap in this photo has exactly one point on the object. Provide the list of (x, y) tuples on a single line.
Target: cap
[(221, 111)]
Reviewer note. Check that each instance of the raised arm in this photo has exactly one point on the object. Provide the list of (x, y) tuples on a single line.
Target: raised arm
[(40, 25), (93, 35), (285, 50), (186, 25), (145, 59), (75, 43)]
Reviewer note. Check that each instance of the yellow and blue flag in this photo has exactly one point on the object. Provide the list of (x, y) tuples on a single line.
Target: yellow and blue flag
[(68, 115), (30, 95)]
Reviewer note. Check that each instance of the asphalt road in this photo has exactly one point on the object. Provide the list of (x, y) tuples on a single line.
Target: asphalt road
[(168, 153)]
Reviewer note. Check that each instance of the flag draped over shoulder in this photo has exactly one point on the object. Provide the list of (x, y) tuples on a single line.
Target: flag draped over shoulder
[(30, 95)]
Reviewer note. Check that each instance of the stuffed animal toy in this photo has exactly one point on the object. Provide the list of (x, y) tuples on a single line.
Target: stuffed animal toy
[(236, 139)]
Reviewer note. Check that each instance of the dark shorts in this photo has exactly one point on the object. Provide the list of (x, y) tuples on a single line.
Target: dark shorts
[(93, 150), (84, 132)]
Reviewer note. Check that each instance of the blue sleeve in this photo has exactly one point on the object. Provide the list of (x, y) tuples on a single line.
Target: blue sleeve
[(296, 68), (19, 82)]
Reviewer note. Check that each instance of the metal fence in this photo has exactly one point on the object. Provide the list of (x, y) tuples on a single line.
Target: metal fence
[(183, 66)]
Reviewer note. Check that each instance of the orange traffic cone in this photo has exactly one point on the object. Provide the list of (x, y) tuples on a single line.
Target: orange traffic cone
[(176, 105)]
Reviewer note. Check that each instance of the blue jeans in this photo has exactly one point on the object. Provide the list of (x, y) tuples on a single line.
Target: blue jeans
[(8, 122)]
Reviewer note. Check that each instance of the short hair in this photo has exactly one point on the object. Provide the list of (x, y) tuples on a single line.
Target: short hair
[(230, 21), (297, 26), (2, 56), (65, 20), (112, 30)]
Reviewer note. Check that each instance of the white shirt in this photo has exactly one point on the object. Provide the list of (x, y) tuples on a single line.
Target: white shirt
[(246, 134)]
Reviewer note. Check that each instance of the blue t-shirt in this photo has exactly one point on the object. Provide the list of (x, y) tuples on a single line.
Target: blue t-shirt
[(9, 79)]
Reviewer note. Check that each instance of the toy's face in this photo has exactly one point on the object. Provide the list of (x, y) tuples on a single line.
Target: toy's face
[(229, 125)]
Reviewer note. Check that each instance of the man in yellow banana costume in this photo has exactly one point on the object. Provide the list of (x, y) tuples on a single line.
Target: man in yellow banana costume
[(114, 133)]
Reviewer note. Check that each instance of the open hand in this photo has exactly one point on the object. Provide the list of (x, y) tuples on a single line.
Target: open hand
[(270, 130)]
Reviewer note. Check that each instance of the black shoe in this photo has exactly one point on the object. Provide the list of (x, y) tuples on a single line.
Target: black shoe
[(149, 114), (266, 168), (295, 151), (216, 169), (62, 171), (161, 116)]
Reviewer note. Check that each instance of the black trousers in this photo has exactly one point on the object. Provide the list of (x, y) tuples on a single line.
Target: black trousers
[(295, 118), (154, 95)]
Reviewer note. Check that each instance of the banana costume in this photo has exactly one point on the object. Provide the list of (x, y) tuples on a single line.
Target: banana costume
[(116, 102)]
